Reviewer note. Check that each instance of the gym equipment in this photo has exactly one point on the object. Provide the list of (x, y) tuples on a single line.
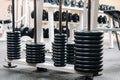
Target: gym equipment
[(46, 1), (5, 21), (80, 4), (45, 15), (24, 31), (102, 19), (13, 40), (56, 16), (59, 45), (104, 7), (0, 21), (69, 17), (52, 1), (70, 53), (35, 52), (31, 32), (46, 32), (67, 2), (75, 17), (63, 16), (13, 45), (88, 52), (88, 49), (115, 15), (73, 3), (56, 31), (111, 7)]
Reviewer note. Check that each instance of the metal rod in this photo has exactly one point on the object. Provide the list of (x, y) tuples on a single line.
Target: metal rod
[(89, 15), (35, 22), (60, 16), (67, 23), (13, 15)]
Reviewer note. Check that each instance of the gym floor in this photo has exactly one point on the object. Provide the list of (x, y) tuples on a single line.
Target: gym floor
[(111, 67)]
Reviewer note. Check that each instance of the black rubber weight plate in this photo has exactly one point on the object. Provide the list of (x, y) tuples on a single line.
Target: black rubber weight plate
[(88, 58), (88, 38), (89, 33)]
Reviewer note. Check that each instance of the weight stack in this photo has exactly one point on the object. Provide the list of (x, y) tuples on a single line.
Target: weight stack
[(70, 53), (88, 52), (13, 45), (35, 53), (59, 50)]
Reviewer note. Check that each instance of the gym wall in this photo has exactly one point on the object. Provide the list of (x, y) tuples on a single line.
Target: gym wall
[(4, 6)]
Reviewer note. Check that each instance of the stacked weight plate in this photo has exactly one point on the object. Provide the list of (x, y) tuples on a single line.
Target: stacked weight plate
[(13, 45), (70, 53), (88, 52), (35, 53), (59, 50)]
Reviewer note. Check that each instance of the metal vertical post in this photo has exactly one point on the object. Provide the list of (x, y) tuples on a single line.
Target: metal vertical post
[(13, 15), (39, 6)]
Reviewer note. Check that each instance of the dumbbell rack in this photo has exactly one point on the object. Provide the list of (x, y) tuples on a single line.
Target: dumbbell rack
[(51, 8)]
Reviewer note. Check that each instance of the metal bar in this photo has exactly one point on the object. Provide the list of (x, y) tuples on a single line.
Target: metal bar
[(39, 15), (89, 15), (13, 15), (117, 38), (60, 16), (67, 23), (35, 22)]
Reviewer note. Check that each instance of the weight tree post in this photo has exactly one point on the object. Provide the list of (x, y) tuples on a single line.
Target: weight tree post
[(51, 28), (94, 13), (39, 20)]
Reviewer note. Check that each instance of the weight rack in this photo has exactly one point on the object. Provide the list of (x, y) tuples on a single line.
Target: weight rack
[(68, 68), (13, 41)]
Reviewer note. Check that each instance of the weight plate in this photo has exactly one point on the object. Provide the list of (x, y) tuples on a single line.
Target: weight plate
[(88, 54), (88, 66), (88, 42), (67, 2), (92, 33), (35, 48), (88, 38), (88, 50), (95, 46), (35, 62), (88, 62), (59, 53), (80, 4), (59, 56), (58, 50), (88, 70), (75, 17), (31, 32), (35, 45), (13, 58), (58, 47), (35, 51), (73, 3), (88, 58), (58, 44)]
